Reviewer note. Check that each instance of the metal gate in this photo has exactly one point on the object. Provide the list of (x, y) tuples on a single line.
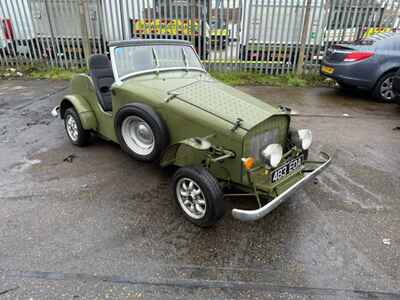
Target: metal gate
[(267, 36)]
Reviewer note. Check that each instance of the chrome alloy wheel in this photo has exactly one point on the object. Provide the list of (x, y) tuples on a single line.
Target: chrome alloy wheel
[(72, 128), (191, 198), (138, 135), (387, 89)]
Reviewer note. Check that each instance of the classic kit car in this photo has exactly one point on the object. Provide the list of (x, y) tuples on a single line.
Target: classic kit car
[(156, 100)]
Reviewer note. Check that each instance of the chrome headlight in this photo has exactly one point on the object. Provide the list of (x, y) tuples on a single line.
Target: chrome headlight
[(273, 155), (302, 138)]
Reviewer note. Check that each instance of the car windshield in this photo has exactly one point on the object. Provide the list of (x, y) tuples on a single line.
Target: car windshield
[(133, 59)]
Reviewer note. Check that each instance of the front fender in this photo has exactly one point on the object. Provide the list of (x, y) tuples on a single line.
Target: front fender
[(183, 153), (186, 152), (83, 108), (386, 66), (194, 151)]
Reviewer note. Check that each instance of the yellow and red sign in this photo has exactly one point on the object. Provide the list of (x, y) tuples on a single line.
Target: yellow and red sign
[(166, 27), (374, 30)]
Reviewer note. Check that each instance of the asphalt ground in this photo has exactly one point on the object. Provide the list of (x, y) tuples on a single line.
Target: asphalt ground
[(103, 226)]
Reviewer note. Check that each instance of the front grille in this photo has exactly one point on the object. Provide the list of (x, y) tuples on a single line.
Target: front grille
[(274, 130)]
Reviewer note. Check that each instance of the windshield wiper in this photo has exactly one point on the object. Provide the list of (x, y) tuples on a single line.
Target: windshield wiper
[(155, 57), (185, 61)]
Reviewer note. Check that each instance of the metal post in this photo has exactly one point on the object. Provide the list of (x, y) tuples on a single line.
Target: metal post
[(53, 10), (304, 34), (270, 38), (212, 55), (73, 7), (264, 56), (192, 21), (84, 30), (54, 45), (132, 13), (220, 21), (122, 18), (319, 38), (65, 39), (246, 39)]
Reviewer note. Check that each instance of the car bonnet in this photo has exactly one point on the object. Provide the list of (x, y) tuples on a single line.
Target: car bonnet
[(225, 102)]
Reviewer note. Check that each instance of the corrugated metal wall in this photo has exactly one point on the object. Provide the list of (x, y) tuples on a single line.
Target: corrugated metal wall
[(272, 36)]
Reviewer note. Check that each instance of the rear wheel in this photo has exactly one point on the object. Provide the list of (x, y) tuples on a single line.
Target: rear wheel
[(73, 126), (198, 195), (384, 88)]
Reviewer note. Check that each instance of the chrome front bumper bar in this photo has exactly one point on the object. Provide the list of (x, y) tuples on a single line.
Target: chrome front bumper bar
[(252, 215)]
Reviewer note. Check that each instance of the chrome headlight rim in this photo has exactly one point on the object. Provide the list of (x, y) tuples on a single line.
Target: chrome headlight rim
[(273, 155)]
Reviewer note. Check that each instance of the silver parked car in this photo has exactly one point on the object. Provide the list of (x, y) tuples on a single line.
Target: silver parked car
[(369, 63)]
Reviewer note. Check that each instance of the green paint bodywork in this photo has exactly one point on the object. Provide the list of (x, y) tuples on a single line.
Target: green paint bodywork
[(192, 104), (88, 119)]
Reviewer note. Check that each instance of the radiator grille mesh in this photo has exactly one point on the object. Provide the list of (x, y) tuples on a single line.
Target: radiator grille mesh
[(273, 130)]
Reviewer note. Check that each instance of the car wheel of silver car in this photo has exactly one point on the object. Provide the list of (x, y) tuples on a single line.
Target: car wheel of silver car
[(198, 195), (75, 132), (384, 88), (141, 132)]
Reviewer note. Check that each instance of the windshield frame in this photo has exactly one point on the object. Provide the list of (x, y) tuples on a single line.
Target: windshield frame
[(153, 70)]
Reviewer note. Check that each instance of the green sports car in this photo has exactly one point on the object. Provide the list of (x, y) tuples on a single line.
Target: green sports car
[(155, 99)]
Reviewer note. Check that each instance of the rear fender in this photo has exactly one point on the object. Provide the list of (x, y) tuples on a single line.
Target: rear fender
[(83, 108), (385, 69)]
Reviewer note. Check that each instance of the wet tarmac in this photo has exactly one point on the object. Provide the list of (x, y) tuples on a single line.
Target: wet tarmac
[(104, 226)]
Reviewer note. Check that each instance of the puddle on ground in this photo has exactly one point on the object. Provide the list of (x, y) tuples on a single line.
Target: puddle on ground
[(25, 164)]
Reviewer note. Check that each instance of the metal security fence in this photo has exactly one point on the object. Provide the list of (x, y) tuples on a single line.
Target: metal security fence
[(267, 36)]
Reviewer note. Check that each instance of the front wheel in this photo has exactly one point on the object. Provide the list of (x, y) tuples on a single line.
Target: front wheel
[(141, 132), (384, 88), (198, 195)]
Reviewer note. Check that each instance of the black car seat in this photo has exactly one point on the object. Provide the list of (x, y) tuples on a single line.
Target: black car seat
[(103, 77)]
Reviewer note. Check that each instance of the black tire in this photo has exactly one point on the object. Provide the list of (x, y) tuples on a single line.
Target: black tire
[(377, 93), (211, 190), (83, 136), (154, 121)]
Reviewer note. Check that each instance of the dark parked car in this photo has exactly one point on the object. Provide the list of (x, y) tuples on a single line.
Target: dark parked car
[(369, 63), (396, 87)]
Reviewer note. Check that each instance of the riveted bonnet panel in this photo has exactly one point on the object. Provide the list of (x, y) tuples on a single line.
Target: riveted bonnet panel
[(225, 102)]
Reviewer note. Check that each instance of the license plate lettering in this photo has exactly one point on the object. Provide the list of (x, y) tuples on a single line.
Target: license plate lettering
[(279, 174), (294, 164), (287, 168)]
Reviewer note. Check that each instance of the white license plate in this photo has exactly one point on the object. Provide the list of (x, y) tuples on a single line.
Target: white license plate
[(287, 169)]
